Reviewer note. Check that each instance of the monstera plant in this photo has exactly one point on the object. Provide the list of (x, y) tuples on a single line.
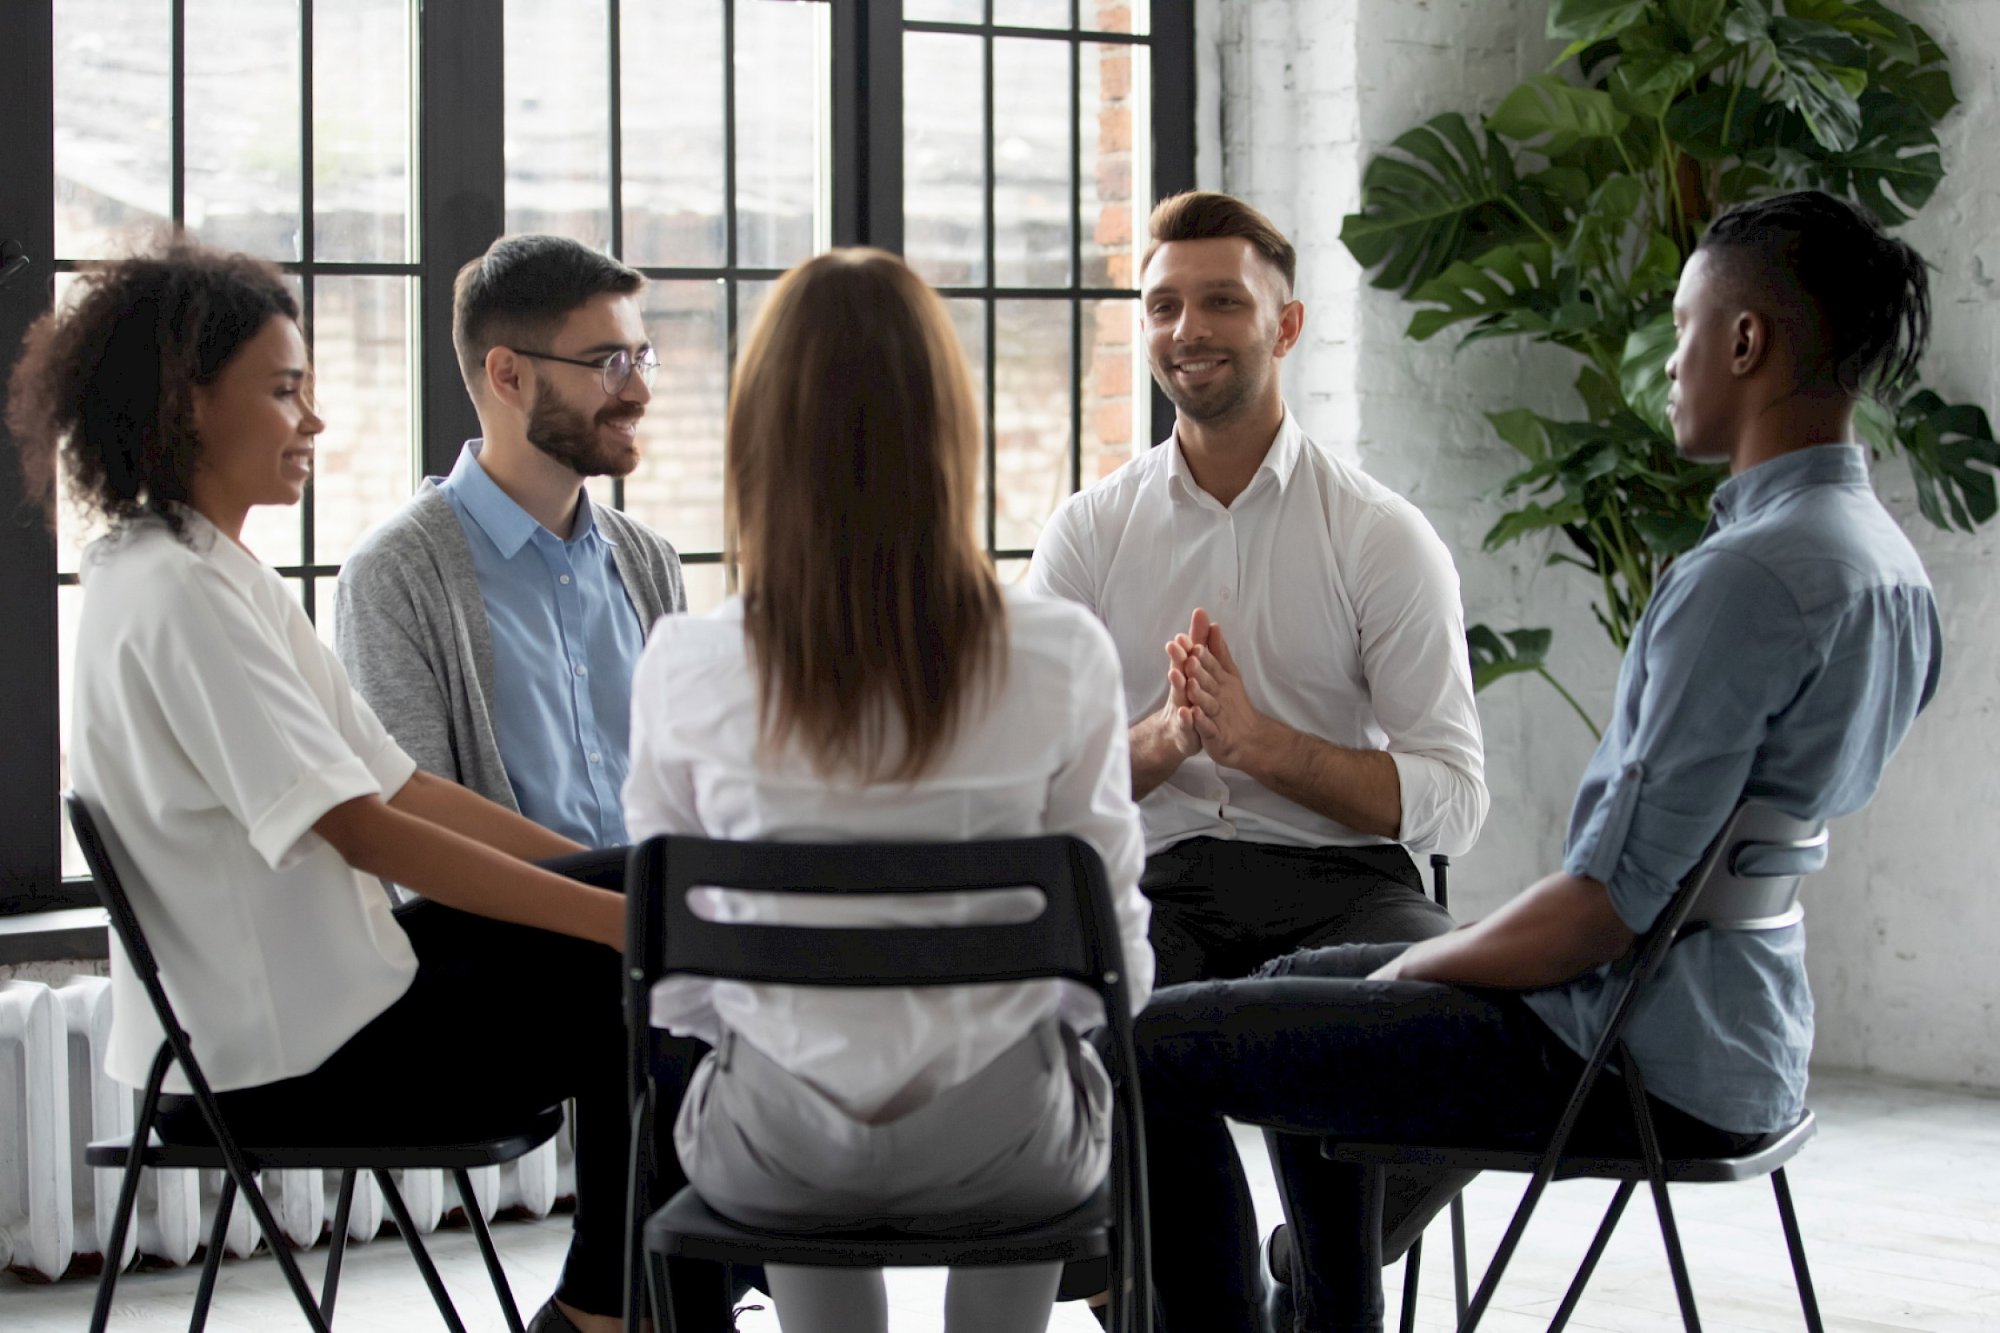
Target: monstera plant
[(1563, 216)]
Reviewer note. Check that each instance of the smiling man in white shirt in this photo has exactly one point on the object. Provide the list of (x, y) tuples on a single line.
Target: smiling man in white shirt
[(1290, 633)]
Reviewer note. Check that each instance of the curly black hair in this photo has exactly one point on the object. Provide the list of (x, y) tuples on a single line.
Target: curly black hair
[(105, 385), (1867, 293)]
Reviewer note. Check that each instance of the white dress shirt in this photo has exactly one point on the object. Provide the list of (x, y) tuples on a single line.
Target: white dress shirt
[(1044, 752), (211, 730), (1340, 605)]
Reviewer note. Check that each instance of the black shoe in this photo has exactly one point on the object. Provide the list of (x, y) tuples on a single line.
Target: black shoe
[(1278, 1307), (551, 1319)]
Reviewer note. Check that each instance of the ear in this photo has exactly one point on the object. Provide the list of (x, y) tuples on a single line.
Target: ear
[(505, 381), (1291, 325), (1749, 343)]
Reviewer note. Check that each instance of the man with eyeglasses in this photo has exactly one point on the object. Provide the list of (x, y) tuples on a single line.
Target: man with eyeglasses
[(495, 621)]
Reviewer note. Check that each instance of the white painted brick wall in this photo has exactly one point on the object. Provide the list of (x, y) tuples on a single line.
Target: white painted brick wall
[(1905, 923)]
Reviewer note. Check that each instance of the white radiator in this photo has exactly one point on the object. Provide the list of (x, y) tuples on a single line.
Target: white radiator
[(55, 1098)]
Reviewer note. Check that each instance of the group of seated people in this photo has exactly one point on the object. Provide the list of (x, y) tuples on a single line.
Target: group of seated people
[(1237, 671)]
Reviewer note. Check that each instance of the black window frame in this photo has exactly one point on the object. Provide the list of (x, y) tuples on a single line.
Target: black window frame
[(460, 208)]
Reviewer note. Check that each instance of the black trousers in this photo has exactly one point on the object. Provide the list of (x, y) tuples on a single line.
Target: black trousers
[(1310, 1048), (500, 1022)]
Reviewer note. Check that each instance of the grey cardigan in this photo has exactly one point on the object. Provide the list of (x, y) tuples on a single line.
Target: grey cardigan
[(410, 627)]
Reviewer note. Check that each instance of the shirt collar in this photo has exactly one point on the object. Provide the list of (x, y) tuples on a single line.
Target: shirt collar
[(504, 522), (1280, 461), (1747, 493)]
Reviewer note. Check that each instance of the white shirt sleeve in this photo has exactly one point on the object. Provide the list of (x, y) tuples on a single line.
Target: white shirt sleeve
[(1060, 568), (1090, 797), (659, 787), (248, 720), (1413, 652)]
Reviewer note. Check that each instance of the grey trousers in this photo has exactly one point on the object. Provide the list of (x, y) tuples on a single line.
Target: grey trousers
[(1026, 1138)]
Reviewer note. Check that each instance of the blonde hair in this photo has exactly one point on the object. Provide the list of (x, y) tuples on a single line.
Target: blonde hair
[(852, 457)]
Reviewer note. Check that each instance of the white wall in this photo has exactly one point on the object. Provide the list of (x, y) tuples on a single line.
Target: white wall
[(1904, 924)]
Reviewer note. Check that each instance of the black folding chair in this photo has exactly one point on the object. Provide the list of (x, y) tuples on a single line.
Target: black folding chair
[(239, 1161), (1748, 880), (1074, 937)]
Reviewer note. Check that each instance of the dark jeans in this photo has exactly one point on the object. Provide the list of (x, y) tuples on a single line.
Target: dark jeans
[(1310, 1048), (500, 1022), (1222, 908)]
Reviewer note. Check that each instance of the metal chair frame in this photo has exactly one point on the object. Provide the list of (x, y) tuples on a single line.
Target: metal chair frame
[(1074, 937), (1747, 880), (240, 1163)]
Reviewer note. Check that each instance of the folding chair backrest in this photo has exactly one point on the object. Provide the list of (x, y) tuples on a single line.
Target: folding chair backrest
[(96, 844), (1074, 936)]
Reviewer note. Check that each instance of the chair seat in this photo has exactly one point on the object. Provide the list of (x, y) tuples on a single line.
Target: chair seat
[(1760, 1158), (457, 1154), (688, 1228)]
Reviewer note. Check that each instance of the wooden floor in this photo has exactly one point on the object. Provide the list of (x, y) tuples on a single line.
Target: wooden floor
[(1899, 1198)]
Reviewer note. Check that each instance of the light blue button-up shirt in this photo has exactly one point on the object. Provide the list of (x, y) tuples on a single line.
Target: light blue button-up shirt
[(1781, 660), (566, 641)]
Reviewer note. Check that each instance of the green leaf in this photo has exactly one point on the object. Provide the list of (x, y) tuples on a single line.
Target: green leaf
[(1659, 268), (1711, 127), (1952, 456), (1422, 203), (1919, 73), (1880, 27), (1496, 656), (1821, 70), (1524, 430), (1894, 168), (1695, 18), (1646, 85), (1507, 287), (1532, 518), (1588, 20), (1551, 109), (1643, 372), (1601, 395)]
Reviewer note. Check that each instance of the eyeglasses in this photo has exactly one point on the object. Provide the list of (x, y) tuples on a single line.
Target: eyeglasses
[(616, 369)]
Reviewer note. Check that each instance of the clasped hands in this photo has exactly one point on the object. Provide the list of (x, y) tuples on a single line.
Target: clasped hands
[(1207, 708)]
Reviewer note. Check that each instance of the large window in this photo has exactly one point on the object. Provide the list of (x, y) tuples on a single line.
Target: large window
[(1010, 148)]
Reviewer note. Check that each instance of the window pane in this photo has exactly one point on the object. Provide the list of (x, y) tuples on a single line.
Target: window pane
[(946, 11), (69, 606), (1134, 16), (362, 121), (781, 93), (1116, 392), (751, 293), (323, 604), (707, 587), (1117, 157), (671, 133), (243, 181), (1012, 573), (1031, 180), (559, 119), (73, 531), (1032, 430), (968, 317), (1031, 13), (113, 118), (365, 462), (944, 172), (677, 488)]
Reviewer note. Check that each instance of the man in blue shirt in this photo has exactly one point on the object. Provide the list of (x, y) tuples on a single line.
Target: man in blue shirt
[(1783, 659), (494, 623)]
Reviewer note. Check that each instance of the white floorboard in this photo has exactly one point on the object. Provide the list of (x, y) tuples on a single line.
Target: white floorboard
[(1899, 1199)]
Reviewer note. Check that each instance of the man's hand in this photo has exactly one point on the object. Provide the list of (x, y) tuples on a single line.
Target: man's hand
[(1163, 740), (1230, 728)]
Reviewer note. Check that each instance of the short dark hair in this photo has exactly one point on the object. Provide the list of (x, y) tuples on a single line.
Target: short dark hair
[(105, 384), (1205, 215), (1865, 295), (520, 290)]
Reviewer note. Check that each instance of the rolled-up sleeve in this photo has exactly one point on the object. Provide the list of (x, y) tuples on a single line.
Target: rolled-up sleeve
[(1723, 649), (1412, 632), (249, 722)]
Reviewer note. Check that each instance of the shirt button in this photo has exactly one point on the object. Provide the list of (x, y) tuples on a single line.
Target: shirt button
[(582, 670), (562, 578), (596, 758)]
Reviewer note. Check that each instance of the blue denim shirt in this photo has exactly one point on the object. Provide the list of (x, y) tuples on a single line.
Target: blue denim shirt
[(1782, 659), (566, 641)]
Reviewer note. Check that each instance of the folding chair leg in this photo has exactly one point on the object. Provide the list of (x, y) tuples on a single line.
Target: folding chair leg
[(336, 1248), (1676, 1261), (1413, 1267), (1622, 1197), (1795, 1242), (128, 1190), (1509, 1242), (1461, 1289), (407, 1225), (477, 1216), (211, 1262)]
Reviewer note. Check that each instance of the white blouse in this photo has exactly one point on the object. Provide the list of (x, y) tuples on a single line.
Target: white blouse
[(1046, 754), (211, 730)]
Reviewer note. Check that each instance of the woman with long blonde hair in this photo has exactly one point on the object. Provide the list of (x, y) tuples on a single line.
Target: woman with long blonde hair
[(873, 681)]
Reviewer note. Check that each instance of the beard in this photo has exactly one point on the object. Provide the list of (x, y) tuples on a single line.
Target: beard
[(565, 434), (1210, 402)]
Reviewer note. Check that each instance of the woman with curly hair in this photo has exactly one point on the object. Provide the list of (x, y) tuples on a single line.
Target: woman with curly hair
[(260, 800)]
